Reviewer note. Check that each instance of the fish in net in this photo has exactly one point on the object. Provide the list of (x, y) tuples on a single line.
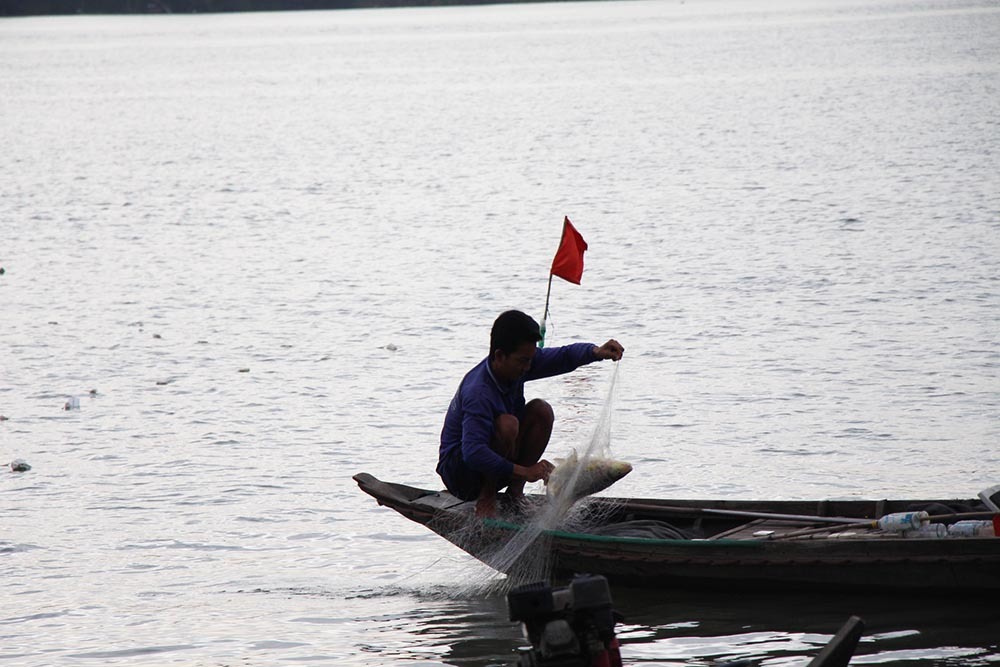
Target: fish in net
[(576, 478)]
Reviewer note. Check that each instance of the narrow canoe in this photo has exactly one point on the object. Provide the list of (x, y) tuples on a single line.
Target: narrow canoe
[(788, 544)]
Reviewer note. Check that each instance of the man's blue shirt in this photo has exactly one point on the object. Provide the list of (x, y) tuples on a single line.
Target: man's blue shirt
[(480, 399)]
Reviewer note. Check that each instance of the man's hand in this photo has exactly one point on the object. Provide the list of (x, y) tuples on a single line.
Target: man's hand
[(533, 473), (611, 350)]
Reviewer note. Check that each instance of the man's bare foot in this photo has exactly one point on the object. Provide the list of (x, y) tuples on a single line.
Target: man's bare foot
[(515, 503), (486, 508)]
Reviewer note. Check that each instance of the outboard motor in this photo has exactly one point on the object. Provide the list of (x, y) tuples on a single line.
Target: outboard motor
[(573, 626)]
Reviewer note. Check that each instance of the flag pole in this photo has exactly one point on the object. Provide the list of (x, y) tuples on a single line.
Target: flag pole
[(545, 316)]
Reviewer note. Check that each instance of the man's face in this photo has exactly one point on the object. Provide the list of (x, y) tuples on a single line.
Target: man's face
[(510, 367)]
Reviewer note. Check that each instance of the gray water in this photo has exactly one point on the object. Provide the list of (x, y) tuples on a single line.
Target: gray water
[(273, 243)]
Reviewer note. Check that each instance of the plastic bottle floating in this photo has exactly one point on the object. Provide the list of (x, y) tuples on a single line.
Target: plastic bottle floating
[(900, 521), (72, 404)]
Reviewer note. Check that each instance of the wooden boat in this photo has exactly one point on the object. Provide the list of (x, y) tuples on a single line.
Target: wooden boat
[(793, 544)]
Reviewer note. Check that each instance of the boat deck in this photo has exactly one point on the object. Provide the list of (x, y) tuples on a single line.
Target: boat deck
[(770, 529)]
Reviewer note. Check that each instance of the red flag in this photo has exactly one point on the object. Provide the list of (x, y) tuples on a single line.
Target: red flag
[(568, 262)]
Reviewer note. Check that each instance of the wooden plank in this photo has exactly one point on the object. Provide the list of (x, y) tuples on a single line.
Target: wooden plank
[(736, 530)]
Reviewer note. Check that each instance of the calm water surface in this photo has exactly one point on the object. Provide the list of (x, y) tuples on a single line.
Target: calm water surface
[(273, 243)]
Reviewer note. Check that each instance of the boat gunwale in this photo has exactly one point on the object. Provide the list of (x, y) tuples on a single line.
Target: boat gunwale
[(591, 537), (773, 548), (669, 505)]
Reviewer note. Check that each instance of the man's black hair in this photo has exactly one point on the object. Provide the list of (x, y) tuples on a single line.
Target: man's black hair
[(512, 330)]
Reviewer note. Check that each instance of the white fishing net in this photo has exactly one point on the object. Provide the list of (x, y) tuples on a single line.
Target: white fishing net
[(525, 557)]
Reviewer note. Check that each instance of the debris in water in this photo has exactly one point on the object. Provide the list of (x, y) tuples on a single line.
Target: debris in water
[(244, 370), (19, 465), (72, 404)]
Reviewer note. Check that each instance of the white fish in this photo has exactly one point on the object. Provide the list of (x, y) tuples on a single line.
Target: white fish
[(587, 477)]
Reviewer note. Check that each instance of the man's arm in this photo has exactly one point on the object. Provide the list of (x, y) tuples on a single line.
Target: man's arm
[(551, 361), (477, 431)]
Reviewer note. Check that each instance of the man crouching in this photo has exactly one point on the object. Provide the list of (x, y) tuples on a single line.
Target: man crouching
[(491, 438)]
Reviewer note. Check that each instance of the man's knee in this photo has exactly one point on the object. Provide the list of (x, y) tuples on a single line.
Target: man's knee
[(505, 430), (538, 410)]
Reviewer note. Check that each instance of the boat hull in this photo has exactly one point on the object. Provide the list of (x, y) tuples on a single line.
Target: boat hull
[(863, 561)]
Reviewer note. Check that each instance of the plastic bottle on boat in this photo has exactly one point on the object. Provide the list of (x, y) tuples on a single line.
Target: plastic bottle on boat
[(971, 528), (928, 531), (900, 521)]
